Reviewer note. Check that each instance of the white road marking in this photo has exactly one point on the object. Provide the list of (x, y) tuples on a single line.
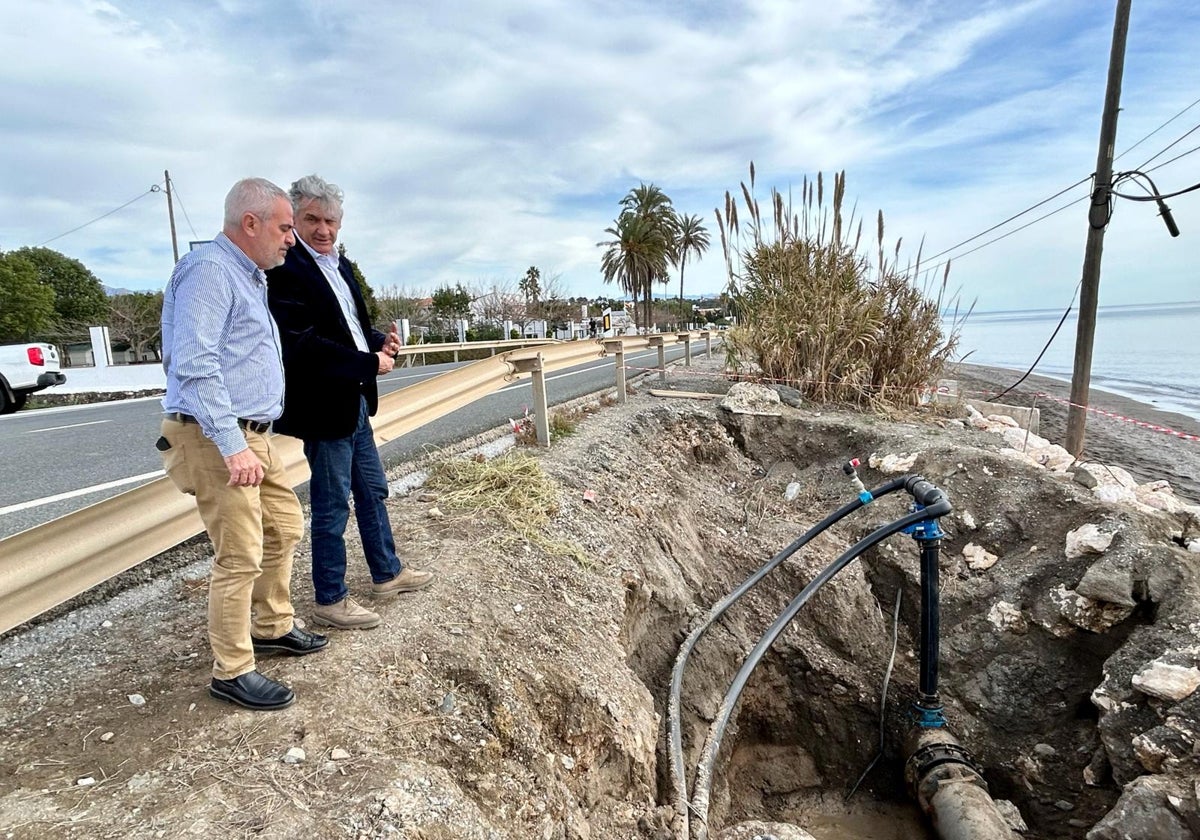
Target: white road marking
[(95, 488), (71, 426)]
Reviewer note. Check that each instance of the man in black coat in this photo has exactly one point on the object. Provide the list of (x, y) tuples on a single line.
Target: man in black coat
[(331, 358)]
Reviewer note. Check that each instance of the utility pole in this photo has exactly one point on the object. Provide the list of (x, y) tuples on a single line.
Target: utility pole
[(171, 215), (1098, 215)]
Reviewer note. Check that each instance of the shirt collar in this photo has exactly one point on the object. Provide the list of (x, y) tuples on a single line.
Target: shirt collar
[(323, 260), (226, 244)]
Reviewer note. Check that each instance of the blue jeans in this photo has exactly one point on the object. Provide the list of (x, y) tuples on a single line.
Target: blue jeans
[(339, 468)]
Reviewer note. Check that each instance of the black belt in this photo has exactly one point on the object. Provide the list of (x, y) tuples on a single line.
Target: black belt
[(248, 425)]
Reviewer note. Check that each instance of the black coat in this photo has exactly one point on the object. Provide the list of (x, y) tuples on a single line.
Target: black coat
[(325, 373)]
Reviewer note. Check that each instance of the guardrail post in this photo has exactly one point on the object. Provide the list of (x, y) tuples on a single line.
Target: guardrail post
[(707, 336), (456, 354), (657, 341), (686, 338), (541, 413), (618, 351)]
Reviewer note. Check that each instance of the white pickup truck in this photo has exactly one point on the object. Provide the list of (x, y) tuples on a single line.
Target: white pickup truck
[(25, 368)]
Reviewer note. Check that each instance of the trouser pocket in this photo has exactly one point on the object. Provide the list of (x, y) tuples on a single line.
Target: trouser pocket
[(176, 465)]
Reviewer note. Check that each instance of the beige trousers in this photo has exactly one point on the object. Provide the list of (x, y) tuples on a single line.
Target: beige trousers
[(254, 531)]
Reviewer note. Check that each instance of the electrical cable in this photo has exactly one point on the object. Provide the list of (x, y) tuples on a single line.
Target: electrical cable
[(1155, 131), (1049, 341), (175, 186), (154, 188), (1172, 160), (1155, 196), (1192, 130), (887, 676)]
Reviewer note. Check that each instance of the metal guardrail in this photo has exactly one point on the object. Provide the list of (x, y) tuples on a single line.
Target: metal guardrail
[(52, 563)]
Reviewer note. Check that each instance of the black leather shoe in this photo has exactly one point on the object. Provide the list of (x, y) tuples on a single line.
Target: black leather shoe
[(254, 691), (296, 642)]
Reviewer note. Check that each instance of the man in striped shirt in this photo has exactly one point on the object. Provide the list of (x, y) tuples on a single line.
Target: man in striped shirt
[(224, 387)]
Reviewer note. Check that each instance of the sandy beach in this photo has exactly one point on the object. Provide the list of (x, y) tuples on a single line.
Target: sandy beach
[(1149, 455)]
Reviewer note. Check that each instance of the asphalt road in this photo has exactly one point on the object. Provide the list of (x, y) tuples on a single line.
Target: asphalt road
[(57, 460)]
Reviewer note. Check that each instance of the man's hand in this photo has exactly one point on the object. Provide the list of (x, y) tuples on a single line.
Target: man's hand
[(245, 470), (392, 345), (386, 363)]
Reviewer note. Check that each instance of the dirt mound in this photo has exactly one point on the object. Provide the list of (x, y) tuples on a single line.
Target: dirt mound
[(522, 695)]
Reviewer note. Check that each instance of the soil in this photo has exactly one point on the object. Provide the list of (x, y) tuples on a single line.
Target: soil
[(523, 694)]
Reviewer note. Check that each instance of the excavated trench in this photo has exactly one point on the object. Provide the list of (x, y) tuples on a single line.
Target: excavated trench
[(1016, 679)]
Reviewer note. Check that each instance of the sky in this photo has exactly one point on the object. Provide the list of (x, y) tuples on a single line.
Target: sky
[(474, 139)]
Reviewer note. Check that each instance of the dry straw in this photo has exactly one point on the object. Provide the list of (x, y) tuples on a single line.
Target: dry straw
[(817, 311)]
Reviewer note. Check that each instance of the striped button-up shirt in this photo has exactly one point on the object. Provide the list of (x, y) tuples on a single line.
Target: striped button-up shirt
[(220, 344)]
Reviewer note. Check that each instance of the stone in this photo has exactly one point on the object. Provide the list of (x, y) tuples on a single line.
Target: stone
[(968, 520), (106, 737), (435, 513), (1086, 614), (789, 396), (294, 755), (1166, 681), (791, 491), (891, 464), (1006, 616), (567, 762), (1114, 494), (757, 830), (338, 754), (137, 700), (86, 781), (750, 398), (1088, 539), (1143, 812), (1011, 815), (978, 558), (1109, 579), (1083, 477)]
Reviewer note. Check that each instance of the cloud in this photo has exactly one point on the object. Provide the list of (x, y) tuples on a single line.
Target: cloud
[(475, 139)]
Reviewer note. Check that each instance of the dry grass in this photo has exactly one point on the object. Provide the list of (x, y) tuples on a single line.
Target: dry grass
[(818, 313), (511, 489)]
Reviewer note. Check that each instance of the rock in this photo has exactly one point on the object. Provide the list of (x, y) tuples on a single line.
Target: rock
[(1150, 753), (1194, 546), (447, 704), (86, 781), (294, 755), (1108, 475), (1115, 495), (968, 520), (890, 464), (1143, 812), (338, 754), (435, 513), (1083, 477), (791, 491), (428, 496), (978, 558), (788, 396), (1087, 539), (106, 737), (567, 762), (1006, 616), (1167, 681), (1044, 750), (749, 398), (1086, 614), (137, 700), (1109, 579)]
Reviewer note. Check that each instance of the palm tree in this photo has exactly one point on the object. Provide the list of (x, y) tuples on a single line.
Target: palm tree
[(650, 204), (691, 238), (634, 255)]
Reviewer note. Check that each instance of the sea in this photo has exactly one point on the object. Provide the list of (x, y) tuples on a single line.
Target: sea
[(1148, 352)]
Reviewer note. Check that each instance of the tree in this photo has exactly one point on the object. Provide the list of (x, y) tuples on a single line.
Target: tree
[(136, 320), (363, 286), (530, 286), (26, 305), (449, 306), (397, 303), (691, 237), (79, 298), (643, 243)]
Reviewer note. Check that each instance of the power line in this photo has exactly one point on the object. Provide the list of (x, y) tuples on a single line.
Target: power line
[(1067, 189), (1177, 140), (175, 186), (1177, 157), (154, 188)]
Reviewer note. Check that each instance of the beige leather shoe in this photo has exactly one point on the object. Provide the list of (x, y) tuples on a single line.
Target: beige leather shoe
[(346, 614), (409, 580)]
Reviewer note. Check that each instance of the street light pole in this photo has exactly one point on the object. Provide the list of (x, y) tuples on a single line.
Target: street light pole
[(1098, 215)]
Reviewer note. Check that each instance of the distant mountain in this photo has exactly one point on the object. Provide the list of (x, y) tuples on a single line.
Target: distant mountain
[(111, 292)]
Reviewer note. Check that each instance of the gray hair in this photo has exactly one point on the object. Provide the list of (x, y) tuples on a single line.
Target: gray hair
[(251, 195), (316, 188)]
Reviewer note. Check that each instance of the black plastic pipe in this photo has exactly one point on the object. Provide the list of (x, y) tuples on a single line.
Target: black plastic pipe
[(674, 701), (712, 745), (930, 621)]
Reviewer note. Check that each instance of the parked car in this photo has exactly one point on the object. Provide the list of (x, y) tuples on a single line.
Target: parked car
[(24, 369)]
